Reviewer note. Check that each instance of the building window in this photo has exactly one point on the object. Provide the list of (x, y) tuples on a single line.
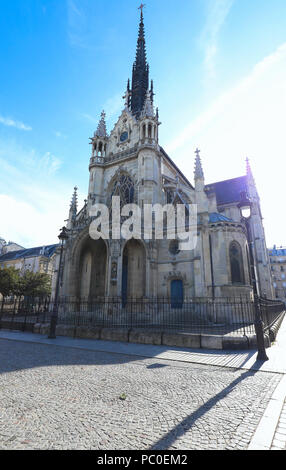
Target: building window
[(236, 263), (124, 188)]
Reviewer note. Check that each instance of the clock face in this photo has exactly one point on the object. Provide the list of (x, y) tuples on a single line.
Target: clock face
[(124, 136)]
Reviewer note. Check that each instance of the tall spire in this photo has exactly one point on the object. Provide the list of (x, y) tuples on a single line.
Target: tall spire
[(140, 73)]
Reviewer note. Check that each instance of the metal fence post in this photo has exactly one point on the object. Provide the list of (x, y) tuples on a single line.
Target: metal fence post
[(261, 356)]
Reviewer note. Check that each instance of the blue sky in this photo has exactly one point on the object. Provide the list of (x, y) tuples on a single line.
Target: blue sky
[(219, 71)]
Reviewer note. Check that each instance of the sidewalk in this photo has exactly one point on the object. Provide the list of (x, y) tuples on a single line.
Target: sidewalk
[(271, 431)]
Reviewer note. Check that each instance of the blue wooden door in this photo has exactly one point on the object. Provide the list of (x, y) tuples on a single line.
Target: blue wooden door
[(177, 293), (124, 280)]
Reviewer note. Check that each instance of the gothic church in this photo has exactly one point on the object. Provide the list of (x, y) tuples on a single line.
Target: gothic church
[(130, 163)]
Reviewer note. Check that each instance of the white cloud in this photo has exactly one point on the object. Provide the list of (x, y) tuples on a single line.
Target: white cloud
[(217, 12), (76, 24), (12, 123), (113, 105), (90, 118), (33, 202), (248, 120), (60, 135)]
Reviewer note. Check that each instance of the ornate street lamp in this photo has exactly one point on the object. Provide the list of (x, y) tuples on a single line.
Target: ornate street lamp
[(245, 207), (63, 236)]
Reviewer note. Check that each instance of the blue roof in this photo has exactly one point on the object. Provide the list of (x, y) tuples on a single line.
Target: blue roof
[(228, 191), (277, 252), (215, 217), (46, 251)]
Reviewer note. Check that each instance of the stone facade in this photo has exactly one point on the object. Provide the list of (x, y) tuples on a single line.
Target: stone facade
[(278, 270), (8, 247), (130, 163), (41, 259)]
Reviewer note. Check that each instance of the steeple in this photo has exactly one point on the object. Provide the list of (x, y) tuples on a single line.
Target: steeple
[(199, 174), (140, 73)]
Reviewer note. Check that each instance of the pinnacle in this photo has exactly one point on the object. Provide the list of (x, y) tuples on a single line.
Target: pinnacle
[(101, 128), (198, 166), (73, 205), (148, 110)]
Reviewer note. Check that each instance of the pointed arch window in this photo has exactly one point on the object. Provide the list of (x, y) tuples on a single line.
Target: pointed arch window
[(236, 263), (123, 186)]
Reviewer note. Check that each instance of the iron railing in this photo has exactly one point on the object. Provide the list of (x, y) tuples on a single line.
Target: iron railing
[(235, 316)]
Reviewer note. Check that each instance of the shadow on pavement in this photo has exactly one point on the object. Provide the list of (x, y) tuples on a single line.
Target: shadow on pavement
[(184, 426)]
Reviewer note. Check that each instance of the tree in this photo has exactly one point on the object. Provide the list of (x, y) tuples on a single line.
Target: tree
[(9, 278), (34, 284)]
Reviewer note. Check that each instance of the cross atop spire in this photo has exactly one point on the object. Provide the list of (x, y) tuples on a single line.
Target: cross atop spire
[(141, 8)]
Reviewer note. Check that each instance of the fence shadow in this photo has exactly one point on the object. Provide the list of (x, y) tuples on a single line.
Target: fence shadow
[(185, 425)]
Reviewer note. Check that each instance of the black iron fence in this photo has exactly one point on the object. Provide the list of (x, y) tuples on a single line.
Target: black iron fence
[(235, 316)]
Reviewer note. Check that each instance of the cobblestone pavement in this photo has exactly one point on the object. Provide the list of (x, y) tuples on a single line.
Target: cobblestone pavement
[(53, 397), (279, 441)]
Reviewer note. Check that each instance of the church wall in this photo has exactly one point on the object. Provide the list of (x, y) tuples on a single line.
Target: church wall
[(170, 267), (221, 240)]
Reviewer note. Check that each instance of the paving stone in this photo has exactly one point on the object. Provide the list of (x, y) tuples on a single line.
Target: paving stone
[(52, 397)]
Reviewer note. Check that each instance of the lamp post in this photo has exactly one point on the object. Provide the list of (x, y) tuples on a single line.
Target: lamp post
[(245, 207), (63, 236)]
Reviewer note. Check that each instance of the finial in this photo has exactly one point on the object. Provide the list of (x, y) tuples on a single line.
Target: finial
[(73, 206), (249, 173), (198, 165), (141, 8), (148, 110), (248, 169), (101, 128)]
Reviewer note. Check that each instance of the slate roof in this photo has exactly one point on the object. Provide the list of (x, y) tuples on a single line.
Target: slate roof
[(228, 191), (277, 252), (46, 251), (215, 217)]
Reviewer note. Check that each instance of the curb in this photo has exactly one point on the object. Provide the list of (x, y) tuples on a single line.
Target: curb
[(265, 431)]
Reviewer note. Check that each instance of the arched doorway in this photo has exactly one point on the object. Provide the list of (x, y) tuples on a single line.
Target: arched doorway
[(133, 270), (92, 279)]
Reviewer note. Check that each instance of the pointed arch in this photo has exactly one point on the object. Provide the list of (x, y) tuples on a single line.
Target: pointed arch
[(133, 270), (236, 263)]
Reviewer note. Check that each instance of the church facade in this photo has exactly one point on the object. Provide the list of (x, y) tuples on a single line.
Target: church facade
[(130, 163)]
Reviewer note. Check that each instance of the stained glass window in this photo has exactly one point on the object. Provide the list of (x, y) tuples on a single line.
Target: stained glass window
[(123, 187), (236, 263)]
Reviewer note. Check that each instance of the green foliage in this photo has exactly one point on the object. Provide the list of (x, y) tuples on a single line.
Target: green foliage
[(9, 279), (12, 282), (33, 284)]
